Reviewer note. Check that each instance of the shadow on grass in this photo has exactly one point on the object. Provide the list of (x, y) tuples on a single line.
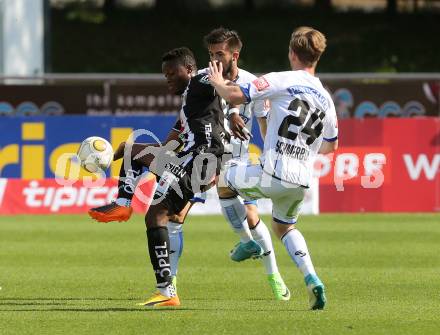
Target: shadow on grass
[(111, 309), (147, 309), (32, 304), (66, 299), (45, 304)]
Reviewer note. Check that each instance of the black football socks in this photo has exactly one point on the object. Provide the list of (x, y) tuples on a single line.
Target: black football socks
[(158, 247), (129, 177)]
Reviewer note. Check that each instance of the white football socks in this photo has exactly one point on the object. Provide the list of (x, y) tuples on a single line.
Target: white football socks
[(297, 248), (175, 232), (262, 236), (235, 213), (168, 291)]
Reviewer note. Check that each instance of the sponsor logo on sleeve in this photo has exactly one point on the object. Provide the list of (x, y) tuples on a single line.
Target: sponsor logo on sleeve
[(260, 83)]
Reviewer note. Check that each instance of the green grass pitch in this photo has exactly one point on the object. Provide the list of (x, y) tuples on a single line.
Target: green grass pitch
[(68, 275)]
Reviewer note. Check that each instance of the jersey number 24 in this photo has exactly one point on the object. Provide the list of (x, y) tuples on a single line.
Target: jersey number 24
[(313, 127)]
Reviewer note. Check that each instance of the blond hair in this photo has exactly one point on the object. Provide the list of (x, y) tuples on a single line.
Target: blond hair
[(308, 44)]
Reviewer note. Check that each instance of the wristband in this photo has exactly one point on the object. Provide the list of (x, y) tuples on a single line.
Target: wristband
[(234, 110)]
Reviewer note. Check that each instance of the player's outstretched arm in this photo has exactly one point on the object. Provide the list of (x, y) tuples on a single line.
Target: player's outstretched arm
[(230, 93)]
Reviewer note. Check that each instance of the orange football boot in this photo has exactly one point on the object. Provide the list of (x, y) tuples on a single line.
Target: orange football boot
[(111, 212), (159, 300)]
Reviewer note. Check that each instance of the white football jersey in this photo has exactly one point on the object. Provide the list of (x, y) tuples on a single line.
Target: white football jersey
[(240, 149), (301, 115)]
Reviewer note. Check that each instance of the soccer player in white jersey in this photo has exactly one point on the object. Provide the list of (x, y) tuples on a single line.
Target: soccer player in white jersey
[(302, 123), (224, 46)]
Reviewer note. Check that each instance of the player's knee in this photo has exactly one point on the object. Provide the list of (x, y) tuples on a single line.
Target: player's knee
[(174, 218), (157, 216), (119, 152), (280, 229), (181, 216), (177, 218), (252, 216), (225, 192)]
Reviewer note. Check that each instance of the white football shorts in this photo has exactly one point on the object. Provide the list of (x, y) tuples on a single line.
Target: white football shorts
[(251, 183)]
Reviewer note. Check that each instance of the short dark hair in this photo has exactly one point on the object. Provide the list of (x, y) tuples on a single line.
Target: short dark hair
[(221, 35), (182, 55)]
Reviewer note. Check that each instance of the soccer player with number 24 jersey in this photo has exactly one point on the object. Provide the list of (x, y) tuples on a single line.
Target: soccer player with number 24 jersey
[(302, 122)]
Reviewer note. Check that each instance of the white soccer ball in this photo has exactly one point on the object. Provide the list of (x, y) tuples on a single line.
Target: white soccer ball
[(95, 154)]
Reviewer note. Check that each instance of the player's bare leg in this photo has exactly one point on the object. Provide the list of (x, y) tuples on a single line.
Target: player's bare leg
[(296, 247)]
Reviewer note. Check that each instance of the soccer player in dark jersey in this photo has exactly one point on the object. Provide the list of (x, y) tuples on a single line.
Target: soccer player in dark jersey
[(193, 169), (178, 66)]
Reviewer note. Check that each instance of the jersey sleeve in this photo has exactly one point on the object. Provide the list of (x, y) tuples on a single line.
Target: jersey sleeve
[(264, 87), (331, 125), (260, 108)]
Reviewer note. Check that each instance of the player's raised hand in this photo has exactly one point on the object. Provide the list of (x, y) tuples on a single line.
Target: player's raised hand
[(237, 127), (215, 73)]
